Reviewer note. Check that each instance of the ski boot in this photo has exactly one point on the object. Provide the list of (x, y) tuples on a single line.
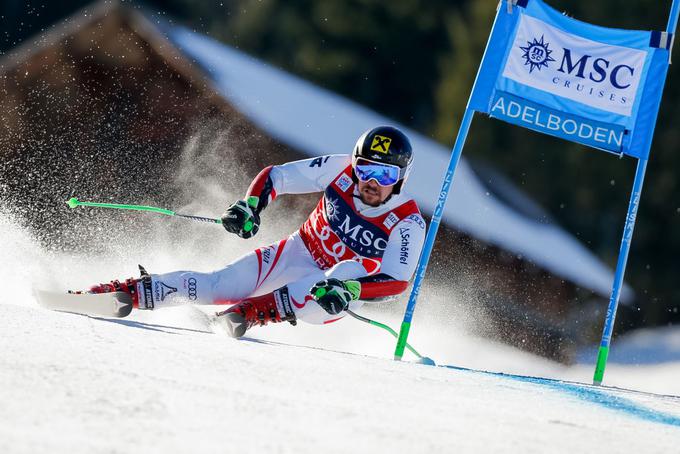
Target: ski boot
[(129, 286), (258, 310)]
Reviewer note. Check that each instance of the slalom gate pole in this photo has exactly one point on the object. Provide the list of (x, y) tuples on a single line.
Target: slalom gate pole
[(74, 202), (603, 352), (633, 206), (457, 151), (432, 233), (673, 20)]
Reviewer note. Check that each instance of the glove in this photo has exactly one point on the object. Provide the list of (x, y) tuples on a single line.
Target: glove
[(334, 295), (241, 219)]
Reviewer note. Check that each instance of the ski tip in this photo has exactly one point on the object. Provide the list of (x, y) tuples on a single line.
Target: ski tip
[(124, 305), (72, 202), (115, 304)]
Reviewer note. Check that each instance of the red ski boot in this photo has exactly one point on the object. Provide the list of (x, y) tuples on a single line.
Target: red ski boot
[(258, 310), (129, 286)]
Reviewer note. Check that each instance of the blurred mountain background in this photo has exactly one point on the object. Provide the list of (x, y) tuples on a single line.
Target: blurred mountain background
[(415, 61)]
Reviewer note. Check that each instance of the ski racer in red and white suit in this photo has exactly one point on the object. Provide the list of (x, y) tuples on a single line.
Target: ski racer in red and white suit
[(373, 247)]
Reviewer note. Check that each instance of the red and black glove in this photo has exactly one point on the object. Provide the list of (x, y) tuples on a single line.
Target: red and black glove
[(242, 219), (334, 295)]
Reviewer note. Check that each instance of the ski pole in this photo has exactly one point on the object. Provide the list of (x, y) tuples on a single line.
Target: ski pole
[(423, 359), (74, 202)]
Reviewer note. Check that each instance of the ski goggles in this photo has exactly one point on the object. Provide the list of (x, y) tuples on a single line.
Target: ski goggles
[(383, 174)]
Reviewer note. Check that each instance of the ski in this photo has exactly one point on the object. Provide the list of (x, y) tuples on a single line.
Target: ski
[(115, 305), (232, 323)]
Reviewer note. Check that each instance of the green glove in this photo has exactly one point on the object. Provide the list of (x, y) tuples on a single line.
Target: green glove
[(334, 295)]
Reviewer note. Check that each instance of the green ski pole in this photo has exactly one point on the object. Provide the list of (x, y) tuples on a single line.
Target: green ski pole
[(74, 202), (423, 359)]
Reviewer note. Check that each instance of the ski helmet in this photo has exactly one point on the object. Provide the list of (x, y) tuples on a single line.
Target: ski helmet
[(385, 145)]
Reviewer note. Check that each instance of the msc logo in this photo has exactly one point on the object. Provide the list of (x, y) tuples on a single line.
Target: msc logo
[(537, 54), (597, 70), (381, 144), (332, 209), (363, 236)]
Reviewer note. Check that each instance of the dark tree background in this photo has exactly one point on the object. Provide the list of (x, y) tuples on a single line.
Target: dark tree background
[(415, 61)]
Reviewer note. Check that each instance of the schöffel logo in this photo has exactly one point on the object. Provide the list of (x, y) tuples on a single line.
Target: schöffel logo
[(405, 234), (537, 54)]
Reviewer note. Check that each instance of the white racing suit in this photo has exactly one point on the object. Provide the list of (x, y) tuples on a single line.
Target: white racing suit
[(343, 238)]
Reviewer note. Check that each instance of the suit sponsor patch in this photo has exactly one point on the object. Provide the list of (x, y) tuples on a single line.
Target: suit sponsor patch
[(381, 144), (390, 220), (161, 290), (417, 219), (405, 234), (344, 182)]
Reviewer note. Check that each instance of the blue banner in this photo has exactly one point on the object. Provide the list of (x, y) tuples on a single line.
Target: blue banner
[(592, 85)]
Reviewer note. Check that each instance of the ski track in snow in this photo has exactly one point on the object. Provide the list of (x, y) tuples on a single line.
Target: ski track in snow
[(164, 382)]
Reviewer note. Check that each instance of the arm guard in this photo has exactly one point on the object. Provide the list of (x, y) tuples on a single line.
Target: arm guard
[(261, 191), (380, 286)]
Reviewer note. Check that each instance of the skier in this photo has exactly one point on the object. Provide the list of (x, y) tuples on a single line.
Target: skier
[(362, 241)]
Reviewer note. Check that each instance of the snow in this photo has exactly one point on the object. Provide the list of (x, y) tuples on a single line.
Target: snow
[(164, 381), (648, 346), (317, 122)]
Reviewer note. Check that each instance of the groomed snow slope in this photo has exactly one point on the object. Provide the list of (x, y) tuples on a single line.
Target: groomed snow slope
[(165, 383)]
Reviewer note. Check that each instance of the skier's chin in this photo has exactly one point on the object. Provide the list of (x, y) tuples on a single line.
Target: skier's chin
[(372, 194), (371, 198)]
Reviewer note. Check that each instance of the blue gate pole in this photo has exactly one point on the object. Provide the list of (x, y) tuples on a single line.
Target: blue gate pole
[(603, 352), (432, 233), (673, 21), (457, 151)]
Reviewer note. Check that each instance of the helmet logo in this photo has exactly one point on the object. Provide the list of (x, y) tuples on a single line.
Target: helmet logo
[(381, 144)]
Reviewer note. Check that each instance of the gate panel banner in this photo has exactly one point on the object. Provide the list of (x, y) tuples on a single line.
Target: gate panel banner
[(592, 85)]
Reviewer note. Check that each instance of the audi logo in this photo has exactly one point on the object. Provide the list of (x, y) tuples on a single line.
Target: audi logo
[(191, 282)]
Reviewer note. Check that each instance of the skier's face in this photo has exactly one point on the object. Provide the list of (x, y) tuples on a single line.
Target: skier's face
[(371, 193)]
